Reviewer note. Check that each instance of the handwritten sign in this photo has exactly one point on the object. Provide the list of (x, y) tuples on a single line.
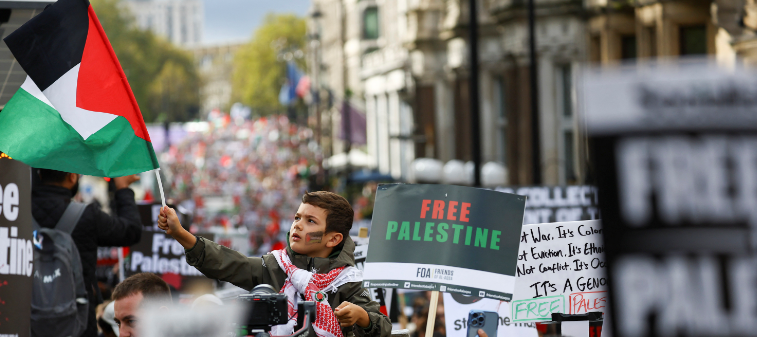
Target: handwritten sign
[(561, 268)]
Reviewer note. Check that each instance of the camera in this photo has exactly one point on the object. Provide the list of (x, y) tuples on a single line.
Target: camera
[(267, 308)]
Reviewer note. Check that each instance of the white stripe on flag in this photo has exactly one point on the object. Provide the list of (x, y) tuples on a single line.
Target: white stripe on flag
[(62, 95), (32, 88)]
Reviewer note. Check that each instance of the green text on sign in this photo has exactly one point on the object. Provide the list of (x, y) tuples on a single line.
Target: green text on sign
[(537, 309), (457, 234)]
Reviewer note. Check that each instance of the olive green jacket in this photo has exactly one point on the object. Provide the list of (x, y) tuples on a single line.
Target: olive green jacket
[(218, 262)]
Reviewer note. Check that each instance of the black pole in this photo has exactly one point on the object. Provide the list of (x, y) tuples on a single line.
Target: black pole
[(473, 93), (347, 129), (533, 70)]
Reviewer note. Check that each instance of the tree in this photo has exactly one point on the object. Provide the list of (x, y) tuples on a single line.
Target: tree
[(259, 71), (162, 76)]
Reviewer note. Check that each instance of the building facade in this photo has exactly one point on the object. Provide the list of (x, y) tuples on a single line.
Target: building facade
[(216, 65), (407, 61), (179, 21)]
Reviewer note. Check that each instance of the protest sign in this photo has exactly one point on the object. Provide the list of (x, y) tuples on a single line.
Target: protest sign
[(457, 307), (677, 170), (159, 253), (16, 253), (561, 268), (557, 203), (444, 238)]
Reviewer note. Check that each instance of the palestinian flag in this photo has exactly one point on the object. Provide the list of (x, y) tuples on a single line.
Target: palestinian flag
[(75, 112)]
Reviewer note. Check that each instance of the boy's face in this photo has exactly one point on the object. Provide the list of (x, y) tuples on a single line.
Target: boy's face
[(308, 233)]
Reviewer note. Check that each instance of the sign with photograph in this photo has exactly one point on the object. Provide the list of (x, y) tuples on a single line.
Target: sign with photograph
[(676, 155), (444, 238), (16, 252), (561, 268)]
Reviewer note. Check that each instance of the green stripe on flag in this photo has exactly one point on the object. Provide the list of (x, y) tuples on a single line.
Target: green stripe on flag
[(34, 133)]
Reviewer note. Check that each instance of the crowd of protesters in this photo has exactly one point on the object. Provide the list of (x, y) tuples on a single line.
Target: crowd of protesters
[(240, 173)]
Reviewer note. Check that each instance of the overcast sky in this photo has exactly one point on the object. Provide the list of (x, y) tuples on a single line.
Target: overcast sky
[(235, 20)]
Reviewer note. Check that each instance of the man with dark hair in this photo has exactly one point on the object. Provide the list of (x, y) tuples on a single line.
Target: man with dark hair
[(317, 265), (128, 296), (94, 229)]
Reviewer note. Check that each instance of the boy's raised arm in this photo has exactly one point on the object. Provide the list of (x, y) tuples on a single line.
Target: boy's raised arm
[(213, 260), (169, 222)]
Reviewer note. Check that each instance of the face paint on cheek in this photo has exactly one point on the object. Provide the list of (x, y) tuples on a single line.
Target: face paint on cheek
[(314, 237)]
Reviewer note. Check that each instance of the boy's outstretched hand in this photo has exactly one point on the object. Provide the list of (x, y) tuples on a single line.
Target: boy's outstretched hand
[(348, 314), (169, 222)]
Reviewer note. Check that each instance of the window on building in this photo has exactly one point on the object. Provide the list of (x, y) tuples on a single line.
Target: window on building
[(595, 52), (169, 23), (651, 33), (628, 47), (501, 110), (693, 40), (570, 170), (371, 23), (565, 87)]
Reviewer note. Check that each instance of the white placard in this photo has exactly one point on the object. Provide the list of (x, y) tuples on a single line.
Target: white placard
[(457, 307), (182, 320), (575, 328), (561, 268)]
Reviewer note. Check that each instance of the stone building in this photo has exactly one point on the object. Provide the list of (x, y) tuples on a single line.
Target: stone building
[(215, 65), (407, 62), (179, 21)]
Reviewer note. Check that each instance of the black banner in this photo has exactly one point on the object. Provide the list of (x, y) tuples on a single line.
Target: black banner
[(159, 253), (16, 252), (679, 200)]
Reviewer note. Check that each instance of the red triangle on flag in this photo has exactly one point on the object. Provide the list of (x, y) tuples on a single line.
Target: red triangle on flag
[(102, 85)]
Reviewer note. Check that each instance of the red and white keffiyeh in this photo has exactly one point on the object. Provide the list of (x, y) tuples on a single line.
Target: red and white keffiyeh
[(302, 282)]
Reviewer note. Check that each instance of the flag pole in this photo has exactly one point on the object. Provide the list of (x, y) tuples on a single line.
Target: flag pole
[(160, 186)]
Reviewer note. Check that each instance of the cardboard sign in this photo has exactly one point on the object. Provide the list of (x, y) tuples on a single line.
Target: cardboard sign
[(457, 307), (444, 238), (676, 158), (16, 252), (557, 203), (561, 268)]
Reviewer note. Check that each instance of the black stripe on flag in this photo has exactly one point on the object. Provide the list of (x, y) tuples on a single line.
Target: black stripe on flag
[(51, 43)]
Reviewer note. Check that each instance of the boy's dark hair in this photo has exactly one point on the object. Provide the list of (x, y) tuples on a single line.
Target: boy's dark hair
[(150, 285), (339, 213), (47, 176)]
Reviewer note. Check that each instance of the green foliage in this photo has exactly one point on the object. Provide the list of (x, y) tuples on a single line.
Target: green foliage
[(162, 76), (258, 71)]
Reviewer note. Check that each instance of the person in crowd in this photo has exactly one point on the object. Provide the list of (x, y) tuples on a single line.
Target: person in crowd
[(107, 322), (95, 227), (129, 295), (319, 249)]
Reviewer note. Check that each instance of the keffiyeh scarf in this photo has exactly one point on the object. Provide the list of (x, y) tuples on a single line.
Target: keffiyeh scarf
[(313, 287)]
